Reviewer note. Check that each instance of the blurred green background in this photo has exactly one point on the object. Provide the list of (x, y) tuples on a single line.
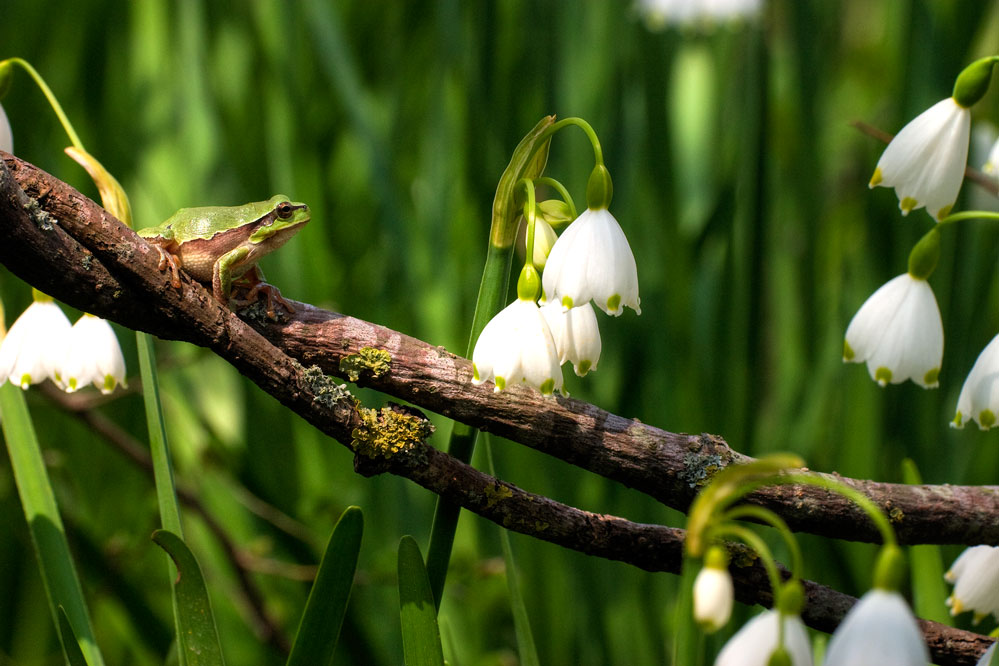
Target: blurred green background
[(739, 182)]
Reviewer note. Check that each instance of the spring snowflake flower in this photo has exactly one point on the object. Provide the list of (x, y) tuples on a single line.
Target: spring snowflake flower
[(898, 332), (880, 629), (756, 641), (713, 592), (93, 356), (925, 161), (659, 13), (992, 163), (979, 398), (592, 260), (34, 346), (516, 346), (975, 576), (576, 335), (6, 136)]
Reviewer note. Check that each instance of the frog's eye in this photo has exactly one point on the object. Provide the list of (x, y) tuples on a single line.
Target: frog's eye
[(284, 210)]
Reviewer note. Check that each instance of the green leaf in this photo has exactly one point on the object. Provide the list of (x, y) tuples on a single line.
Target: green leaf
[(929, 591), (62, 586), (319, 629), (70, 645), (421, 638), (199, 639)]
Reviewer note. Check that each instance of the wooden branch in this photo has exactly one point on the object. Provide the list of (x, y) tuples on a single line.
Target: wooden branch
[(64, 244)]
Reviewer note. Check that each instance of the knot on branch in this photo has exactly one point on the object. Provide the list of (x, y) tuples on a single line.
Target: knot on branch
[(388, 435)]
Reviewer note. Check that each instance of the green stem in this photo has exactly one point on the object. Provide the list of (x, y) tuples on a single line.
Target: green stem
[(969, 215), (562, 192), (598, 154), (74, 139), (875, 513), (62, 585), (530, 215), (770, 518)]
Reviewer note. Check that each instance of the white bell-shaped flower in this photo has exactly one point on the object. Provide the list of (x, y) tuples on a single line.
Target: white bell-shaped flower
[(33, 348), (975, 576), (756, 641), (6, 135), (516, 346), (592, 260), (713, 591), (576, 335), (925, 162), (93, 356), (979, 397), (992, 161), (898, 332), (879, 630)]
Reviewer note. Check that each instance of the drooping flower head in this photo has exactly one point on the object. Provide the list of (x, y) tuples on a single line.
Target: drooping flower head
[(576, 335), (34, 347), (754, 644), (898, 332), (925, 161), (979, 397), (975, 576), (593, 260), (713, 591), (93, 356), (879, 629)]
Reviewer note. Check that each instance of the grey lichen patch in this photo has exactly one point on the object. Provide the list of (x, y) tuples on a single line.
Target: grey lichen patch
[(389, 431), (698, 469), (326, 391), (375, 361), (743, 557), (40, 217)]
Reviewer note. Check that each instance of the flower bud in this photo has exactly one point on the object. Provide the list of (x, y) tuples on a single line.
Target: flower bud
[(713, 591)]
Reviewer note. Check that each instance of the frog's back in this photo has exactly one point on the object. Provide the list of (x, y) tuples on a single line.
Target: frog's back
[(202, 222)]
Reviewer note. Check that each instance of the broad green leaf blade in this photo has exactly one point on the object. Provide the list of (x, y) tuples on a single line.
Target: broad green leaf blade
[(929, 591), (421, 638), (319, 629), (70, 645), (199, 639), (62, 586)]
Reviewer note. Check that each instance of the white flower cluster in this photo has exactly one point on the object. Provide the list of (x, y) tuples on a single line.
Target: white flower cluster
[(42, 345), (880, 629), (660, 13), (975, 577), (528, 344)]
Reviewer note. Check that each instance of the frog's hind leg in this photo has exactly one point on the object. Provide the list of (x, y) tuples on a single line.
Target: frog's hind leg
[(169, 261)]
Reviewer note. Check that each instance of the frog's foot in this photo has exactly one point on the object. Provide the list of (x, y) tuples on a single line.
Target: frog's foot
[(273, 296), (169, 261)]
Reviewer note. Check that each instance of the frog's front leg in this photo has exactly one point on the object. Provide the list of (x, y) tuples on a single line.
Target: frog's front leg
[(168, 261), (222, 273)]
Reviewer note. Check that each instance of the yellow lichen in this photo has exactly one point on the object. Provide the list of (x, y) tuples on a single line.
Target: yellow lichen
[(496, 493), (386, 432), (376, 361)]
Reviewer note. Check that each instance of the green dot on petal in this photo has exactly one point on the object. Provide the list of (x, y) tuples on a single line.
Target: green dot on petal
[(944, 212), (958, 421), (882, 375), (25, 380), (930, 378), (475, 373), (583, 367), (876, 178), (109, 383), (567, 301), (547, 386), (614, 303), (907, 204), (986, 419), (848, 352), (500, 383)]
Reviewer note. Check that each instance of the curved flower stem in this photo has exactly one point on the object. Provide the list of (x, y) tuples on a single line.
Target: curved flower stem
[(772, 519), (562, 192), (876, 515), (66, 125), (530, 215), (969, 215), (598, 155)]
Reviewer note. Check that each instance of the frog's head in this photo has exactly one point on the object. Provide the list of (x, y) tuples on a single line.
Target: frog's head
[(280, 221)]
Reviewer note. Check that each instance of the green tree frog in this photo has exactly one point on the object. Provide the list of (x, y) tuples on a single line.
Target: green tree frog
[(220, 245)]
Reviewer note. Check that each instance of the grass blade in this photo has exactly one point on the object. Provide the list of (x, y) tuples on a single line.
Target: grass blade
[(198, 636), (319, 629), (62, 586), (929, 591), (70, 644), (421, 638)]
